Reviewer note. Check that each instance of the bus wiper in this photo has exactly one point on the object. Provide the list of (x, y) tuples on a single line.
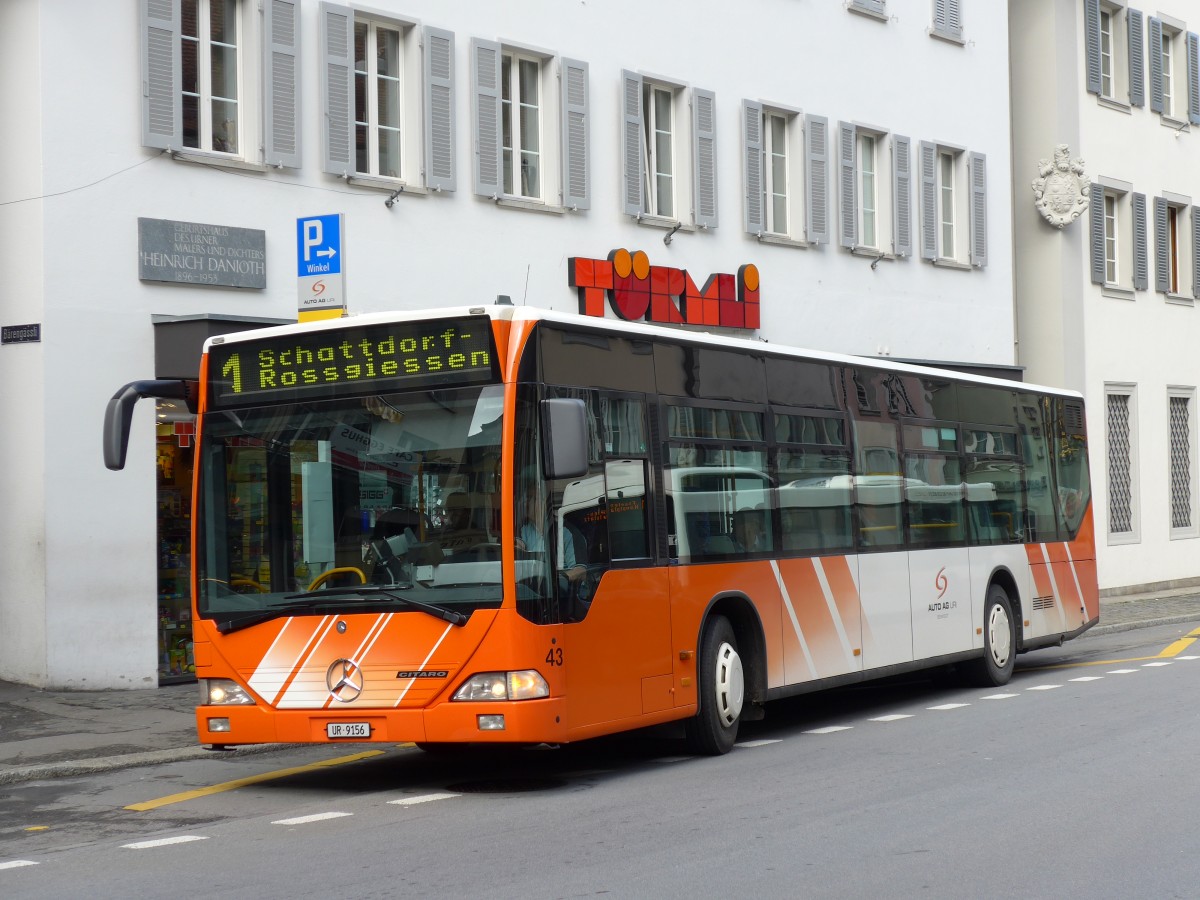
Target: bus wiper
[(364, 593)]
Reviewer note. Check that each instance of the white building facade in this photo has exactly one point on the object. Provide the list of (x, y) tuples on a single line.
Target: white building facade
[(1107, 299), (857, 154)]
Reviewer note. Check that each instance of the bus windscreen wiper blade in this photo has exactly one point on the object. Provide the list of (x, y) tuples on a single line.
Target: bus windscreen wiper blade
[(439, 612)]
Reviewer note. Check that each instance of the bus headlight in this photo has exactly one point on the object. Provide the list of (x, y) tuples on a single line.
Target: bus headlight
[(223, 692), (527, 684)]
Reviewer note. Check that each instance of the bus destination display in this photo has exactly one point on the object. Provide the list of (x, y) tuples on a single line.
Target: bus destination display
[(374, 358)]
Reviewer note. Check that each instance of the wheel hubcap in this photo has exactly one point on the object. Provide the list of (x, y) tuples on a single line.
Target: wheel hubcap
[(731, 689), (999, 635)]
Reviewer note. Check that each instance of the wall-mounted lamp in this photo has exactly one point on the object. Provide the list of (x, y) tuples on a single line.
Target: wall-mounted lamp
[(670, 234), (391, 200)]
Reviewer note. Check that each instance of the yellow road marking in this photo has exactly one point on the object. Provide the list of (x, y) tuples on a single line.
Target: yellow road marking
[(253, 779), (1169, 652)]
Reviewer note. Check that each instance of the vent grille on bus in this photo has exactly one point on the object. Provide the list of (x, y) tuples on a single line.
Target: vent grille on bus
[(1073, 418)]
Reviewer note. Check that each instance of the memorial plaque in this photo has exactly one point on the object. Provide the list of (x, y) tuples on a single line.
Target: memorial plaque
[(193, 253)]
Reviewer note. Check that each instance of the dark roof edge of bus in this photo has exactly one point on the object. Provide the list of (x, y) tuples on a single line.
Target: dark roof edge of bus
[(621, 327)]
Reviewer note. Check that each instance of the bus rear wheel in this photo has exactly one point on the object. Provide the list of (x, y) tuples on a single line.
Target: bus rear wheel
[(713, 730), (995, 667)]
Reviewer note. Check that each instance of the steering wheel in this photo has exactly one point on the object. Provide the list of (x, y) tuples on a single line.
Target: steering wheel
[(341, 570)]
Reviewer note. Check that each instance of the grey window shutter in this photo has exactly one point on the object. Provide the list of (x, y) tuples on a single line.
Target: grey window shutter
[(875, 6), (337, 89), (162, 78), (1141, 255), (752, 167), (1137, 58), (929, 213), (847, 185), (1193, 77), (485, 103), (634, 154), (816, 178), (281, 27), (1096, 220), (1091, 26), (577, 181), (1156, 65), (1196, 252), (947, 18), (704, 156), (439, 110), (977, 177), (901, 196), (1162, 282)]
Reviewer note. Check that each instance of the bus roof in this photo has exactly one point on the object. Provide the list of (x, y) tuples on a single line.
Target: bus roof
[(638, 329)]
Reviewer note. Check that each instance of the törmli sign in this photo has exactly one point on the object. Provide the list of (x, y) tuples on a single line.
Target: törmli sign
[(638, 291)]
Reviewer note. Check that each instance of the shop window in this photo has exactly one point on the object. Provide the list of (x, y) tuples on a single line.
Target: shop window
[(175, 457)]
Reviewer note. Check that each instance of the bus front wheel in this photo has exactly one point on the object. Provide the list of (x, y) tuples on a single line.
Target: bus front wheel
[(713, 730), (995, 667)]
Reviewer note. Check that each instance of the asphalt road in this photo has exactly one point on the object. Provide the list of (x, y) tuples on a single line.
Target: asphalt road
[(1076, 780)]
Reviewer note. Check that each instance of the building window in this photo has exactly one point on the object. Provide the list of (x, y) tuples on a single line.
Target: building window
[(1111, 271), (659, 136), (953, 203), (515, 117), (197, 63), (387, 99), (377, 99), (775, 172), (521, 138), (1182, 438), (868, 199), (1174, 70), (947, 19), (871, 183), (1115, 51), (1120, 432), (1119, 239), (668, 134), (1171, 249), (209, 39)]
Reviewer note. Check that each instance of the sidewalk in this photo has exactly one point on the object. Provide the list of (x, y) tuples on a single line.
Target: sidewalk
[(54, 734)]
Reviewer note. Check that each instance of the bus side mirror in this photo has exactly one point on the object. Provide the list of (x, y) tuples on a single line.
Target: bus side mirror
[(118, 415), (564, 438)]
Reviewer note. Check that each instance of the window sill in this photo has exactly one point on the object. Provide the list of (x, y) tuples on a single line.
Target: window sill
[(1179, 300), (199, 158), (781, 240), (1125, 537), (1176, 125), (1115, 105), (869, 13), (529, 205), (873, 253), (948, 37), (663, 222), (1117, 293), (1184, 534), (386, 184), (943, 262)]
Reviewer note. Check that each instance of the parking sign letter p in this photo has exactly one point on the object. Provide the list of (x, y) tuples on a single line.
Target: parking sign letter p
[(314, 236)]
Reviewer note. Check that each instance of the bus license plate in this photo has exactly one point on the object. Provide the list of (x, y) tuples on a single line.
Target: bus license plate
[(348, 730)]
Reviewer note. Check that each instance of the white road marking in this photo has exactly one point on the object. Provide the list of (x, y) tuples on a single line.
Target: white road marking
[(830, 729), (895, 717), (163, 842), (17, 863), (1187, 657), (1155, 665), (1088, 678), (1000, 696), (759, 743), (949, 706), (1043, 687), (1122, 671), (316, 817), (423, 798)]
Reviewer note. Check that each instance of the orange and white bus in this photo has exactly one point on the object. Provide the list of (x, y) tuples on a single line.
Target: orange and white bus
[(500, 524)]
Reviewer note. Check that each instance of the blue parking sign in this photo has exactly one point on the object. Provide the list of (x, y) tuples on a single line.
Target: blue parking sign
[(319, 245)]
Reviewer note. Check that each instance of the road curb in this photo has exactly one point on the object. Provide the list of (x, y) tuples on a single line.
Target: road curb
[(69, 768), (1142, 623)]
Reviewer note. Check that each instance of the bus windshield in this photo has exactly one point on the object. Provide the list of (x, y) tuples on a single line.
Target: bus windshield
[(351, 502)]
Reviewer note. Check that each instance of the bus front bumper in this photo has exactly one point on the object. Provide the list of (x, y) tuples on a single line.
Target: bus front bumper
[(521, 722)]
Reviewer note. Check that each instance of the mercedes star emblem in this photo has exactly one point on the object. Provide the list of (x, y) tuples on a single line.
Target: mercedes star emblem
[(344, 680)]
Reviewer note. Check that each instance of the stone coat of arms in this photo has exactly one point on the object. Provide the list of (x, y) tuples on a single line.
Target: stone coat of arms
[(1061, 189)]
